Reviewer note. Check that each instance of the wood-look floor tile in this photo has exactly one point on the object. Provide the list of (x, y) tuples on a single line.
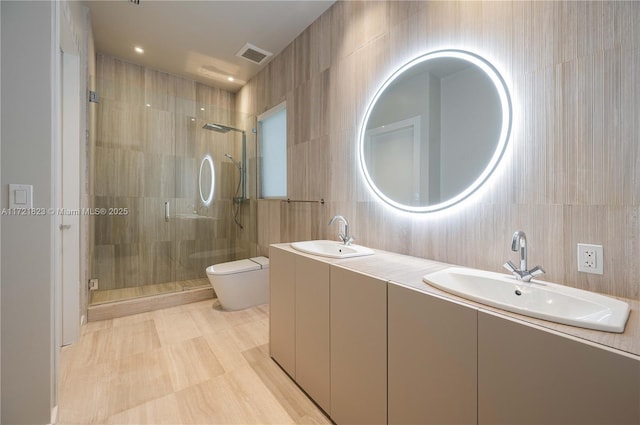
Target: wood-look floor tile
[(213, 402), (95, 326), (83, 393), (297, 405), (93, 348), (138, 378), (237, 397), (208, 317), (192, 362), (251, 334), (163, 410), (128, 320), (134, 338), (174, 326), (226, 349)]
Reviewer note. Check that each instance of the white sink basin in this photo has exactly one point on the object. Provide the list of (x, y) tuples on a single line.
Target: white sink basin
[(543, 300), (331, 249)]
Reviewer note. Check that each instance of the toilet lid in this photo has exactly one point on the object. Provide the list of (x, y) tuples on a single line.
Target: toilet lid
[(232, 267), (263, 261)]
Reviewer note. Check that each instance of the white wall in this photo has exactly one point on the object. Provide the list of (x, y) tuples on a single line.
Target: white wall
[(0, 226), (28, 133), (412, 97), (467, 99)]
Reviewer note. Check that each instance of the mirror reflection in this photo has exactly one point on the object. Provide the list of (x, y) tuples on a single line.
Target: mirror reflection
[(206, 180), (435, 131)]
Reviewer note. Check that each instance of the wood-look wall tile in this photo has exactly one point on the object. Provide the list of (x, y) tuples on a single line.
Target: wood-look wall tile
[(129, 131), (595, 27), (616, 229), (103, 265), (372, 68), (320, 43), (342, 99), (127, 265), (343, 166), (565, 36), (129, 83), (117, 228), (301, 116), (574, 142), (532, 50), (160, 90), (301, 50)]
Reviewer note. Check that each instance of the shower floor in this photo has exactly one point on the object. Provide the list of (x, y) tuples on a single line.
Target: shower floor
[(103, 296)]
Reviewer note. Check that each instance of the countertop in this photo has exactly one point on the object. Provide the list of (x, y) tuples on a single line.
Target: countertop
[(408, 271)]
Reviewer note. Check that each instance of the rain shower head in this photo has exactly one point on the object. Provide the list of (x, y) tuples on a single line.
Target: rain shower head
[(220, 128)]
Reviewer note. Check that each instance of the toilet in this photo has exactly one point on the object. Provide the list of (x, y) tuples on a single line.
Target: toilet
[(241, 284)]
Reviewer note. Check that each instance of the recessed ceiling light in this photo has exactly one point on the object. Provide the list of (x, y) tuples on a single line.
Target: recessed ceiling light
[(202, 109), (230, 78), (193, 119), (138, 49), (148, 105)]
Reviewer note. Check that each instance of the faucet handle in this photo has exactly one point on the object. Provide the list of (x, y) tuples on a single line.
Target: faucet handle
[(510, 266), (536, 271)]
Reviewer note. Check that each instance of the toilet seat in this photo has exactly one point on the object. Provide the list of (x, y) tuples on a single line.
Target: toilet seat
[(232, 267), (238, 266)]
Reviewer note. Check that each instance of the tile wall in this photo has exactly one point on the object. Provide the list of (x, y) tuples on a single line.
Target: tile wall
[(148, 148), (571, 173)]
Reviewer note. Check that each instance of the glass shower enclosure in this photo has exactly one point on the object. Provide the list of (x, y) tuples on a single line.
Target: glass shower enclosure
[(166, 192)]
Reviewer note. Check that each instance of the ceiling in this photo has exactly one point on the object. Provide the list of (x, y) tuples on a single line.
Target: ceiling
[(199, 39)]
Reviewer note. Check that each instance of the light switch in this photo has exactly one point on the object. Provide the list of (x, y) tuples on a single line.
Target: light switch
[(20, 196)]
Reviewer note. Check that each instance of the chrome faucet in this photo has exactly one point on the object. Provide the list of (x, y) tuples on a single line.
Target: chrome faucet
[(519, 243), (344, 237)]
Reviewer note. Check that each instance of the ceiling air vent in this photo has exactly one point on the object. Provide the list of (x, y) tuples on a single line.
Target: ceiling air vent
[(253, 54)]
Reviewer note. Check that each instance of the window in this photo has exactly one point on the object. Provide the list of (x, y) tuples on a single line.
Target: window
[(272, 139)]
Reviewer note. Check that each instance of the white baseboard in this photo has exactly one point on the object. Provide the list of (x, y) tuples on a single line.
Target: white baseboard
[(54, 414)]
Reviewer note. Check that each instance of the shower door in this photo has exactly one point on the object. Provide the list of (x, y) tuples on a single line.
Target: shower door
[(152, 232)]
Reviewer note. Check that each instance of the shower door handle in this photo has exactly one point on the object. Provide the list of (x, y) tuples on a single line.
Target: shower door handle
[(166, 211)]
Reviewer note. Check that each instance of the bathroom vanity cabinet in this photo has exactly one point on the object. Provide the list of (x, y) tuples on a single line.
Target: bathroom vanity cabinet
[(358, 348), (312, 329), (369, 350), (432, 359), (527, 375), (282, 309), (299, 324)]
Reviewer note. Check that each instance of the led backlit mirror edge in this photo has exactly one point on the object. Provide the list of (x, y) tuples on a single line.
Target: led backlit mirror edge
[(206, 201), (505, 130)]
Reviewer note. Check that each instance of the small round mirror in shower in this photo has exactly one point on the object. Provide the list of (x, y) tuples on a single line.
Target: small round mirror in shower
[(206, 180)]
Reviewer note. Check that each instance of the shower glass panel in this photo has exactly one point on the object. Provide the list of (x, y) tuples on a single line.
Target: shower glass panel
[(153, 232)]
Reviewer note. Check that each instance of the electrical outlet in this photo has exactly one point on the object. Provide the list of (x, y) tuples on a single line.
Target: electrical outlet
[(93, 284), (590, 258)]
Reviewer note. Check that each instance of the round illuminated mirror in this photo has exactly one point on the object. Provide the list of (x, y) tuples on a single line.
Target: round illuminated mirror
[(206, 180), (435, 131)]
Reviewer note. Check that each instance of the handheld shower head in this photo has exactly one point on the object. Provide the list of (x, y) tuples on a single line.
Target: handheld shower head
[(236, 163)]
